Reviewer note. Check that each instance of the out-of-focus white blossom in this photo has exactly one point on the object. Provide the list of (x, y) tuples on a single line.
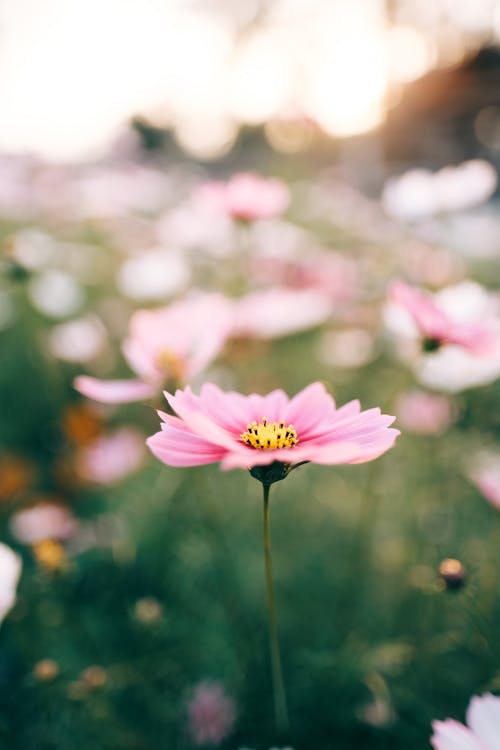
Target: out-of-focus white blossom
[(420, 193), (79, 340), (10, 572), (154, 274), (56, 294)]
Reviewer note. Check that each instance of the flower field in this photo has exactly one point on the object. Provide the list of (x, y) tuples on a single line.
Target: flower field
[(336, 354)]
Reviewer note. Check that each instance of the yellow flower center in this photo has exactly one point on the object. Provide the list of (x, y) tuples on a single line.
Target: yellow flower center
[(171, 364), (269, 435)]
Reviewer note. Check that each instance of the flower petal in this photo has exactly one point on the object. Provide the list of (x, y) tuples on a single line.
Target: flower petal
[(483, 717), (452, 735), (113, 391), (178, 447)]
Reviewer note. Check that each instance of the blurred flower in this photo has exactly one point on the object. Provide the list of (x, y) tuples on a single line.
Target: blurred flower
[(113, 191), (246, 197), (55, 293), (211, 713), (260, 431), (46, 670), (94, 677), (485, 475), (352, 347), (111, 457), (148, 610), (45, 520), (10, 571), (16, 475), (277, 312), (482, 730), (32, 248), (81, 423), (50, 555), (420, 193), (437, 327), (154, 274), (459, 331), (172, 343), (194, 226), (424, 413), (452, 573), (78, 340), (328, 273)]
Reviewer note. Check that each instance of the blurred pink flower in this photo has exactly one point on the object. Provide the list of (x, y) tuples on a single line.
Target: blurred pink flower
[(249, 431), (10, 571), (481, 733), (111, 457), (246, 196), (172, 343), (44, 520), (327, 273), (211, 713), (485, 475), (278, 311), (424, 413), (436, 326)]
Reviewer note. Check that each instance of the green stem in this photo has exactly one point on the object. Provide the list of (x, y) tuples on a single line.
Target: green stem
[(280, 708)]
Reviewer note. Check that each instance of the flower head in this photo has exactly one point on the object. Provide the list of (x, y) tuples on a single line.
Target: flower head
[(172, 343), (271, 433), (211, 713), (482, 730), (246, 196), (436, 326)]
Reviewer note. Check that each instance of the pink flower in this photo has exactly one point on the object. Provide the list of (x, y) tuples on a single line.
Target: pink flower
[(482, 732), (327, 273), (43, 521), (171, 343), (424, 413), (436, 326), (246, 197), (486, 477), (211, 714), (270, 313), (111, 457), (268, 431)]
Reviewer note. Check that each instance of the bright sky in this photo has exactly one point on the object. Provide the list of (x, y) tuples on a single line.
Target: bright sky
[(72, 71)]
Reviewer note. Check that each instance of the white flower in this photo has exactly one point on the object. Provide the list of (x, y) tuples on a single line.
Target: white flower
[(10, 571), (481, 733)]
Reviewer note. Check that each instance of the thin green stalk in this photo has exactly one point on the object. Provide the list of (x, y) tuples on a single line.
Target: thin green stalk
[(280, 708)]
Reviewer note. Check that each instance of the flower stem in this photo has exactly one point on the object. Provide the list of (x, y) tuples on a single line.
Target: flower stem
[(280, 708)]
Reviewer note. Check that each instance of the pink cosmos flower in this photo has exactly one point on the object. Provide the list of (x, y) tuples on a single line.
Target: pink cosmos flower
[(43, 521), (272, 431), (481, 733), (211, 713), (270, 313), (424, 413), (171, 343), (436, 326), (111, 457), (246, 197)]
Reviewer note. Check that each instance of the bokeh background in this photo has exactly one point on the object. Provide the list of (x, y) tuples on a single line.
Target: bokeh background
[(139, 618)]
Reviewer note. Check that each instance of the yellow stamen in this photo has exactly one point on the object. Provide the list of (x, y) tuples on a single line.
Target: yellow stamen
[(171, 364), (269, 436)]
